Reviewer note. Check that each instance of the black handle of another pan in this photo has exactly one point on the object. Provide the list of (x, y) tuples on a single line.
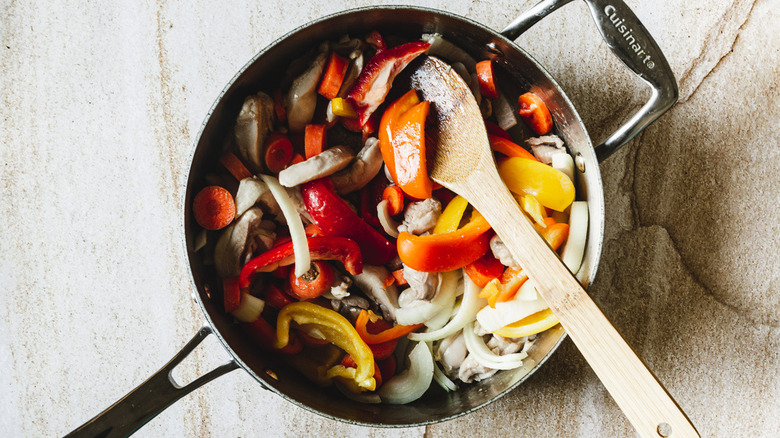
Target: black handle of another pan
[(150, 398)]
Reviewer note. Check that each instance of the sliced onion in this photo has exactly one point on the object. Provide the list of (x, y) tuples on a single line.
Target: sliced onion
[(485, 357), (388, 224), (574, 249), (297, 233), (508, 312), (565, 163), (505, 115), (469, 307), (422, 311), (414, 381), (439, 376), (527, 292), (249, 309), (449, 280)]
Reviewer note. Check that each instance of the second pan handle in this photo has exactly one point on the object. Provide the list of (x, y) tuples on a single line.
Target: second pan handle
[(630, 41)]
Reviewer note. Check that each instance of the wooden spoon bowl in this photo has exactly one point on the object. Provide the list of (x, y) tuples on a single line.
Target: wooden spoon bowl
[(463, 162)]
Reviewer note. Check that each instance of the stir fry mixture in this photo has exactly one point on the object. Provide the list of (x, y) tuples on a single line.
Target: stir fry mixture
[(337, 251)]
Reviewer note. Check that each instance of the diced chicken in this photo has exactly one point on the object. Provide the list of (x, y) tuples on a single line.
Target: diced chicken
[(230, 248), (503, 346), (422, 286), (421, 216), (372, 282), (301, 99), (363, 169), (501, 252), (471, 370), (319, 166), (255, 121), (452, 352), (339, 290), (545, 147)]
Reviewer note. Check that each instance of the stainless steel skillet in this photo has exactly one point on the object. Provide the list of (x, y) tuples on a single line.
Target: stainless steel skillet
[(623, 33)]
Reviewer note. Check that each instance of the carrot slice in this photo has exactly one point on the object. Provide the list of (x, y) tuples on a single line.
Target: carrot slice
[(395, 199), (535, 113), (314, 140), (278, 152), (399, 277), (214, 208), (234, 165), (487, 84), (333, 76), (279, 109), (297, 158), (508, 148)]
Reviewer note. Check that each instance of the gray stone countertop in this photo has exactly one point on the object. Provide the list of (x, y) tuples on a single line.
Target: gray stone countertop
[(101, 104)]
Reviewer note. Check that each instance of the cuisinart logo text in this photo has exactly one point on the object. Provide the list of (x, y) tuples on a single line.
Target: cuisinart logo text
[(625, 31)]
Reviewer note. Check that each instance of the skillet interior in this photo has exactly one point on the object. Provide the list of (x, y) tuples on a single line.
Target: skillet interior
[(520, 73)]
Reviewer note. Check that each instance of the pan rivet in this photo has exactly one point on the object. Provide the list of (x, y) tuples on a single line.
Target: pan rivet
[(580, 162), (492, 48)]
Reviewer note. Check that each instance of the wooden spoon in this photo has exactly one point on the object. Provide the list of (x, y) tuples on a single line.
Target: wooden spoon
[(463, 162)]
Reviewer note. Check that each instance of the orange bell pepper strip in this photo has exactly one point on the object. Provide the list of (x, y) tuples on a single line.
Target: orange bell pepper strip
[(402, 141), (504, 288), (448, 251), (394, 332), (509, 148)]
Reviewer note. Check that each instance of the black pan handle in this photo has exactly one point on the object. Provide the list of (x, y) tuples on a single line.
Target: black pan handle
[(150, 398), (632, 44)]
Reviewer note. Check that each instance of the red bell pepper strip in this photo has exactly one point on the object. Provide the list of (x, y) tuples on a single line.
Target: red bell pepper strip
[(335, 218), (375, 40), (448, 251), (496, 130), (231, 294), (390, 334), (370, 196), (374, 82), (265, 336), (275, 298), (321, 248), (484, 269)]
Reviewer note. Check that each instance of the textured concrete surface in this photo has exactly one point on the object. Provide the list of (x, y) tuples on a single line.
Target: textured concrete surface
[(100, 106)]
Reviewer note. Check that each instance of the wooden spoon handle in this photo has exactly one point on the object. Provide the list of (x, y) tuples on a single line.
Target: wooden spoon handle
[(645, 402)]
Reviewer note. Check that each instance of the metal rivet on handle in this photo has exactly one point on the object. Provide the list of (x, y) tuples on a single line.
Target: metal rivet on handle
[(580, 162), (493, 48), (664, 430)]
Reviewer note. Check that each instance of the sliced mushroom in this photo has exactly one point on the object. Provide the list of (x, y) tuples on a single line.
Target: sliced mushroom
[(321, 165), (372, 282), (229, 251), (355, 67), (301, 99), (255, 121), (366, 166)]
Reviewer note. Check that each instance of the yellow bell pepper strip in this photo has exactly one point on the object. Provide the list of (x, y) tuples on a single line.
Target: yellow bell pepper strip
[(551, 187), (530, 325), (335, 329), (530, 205), (390, 334), (451, 216), (446, 252)]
